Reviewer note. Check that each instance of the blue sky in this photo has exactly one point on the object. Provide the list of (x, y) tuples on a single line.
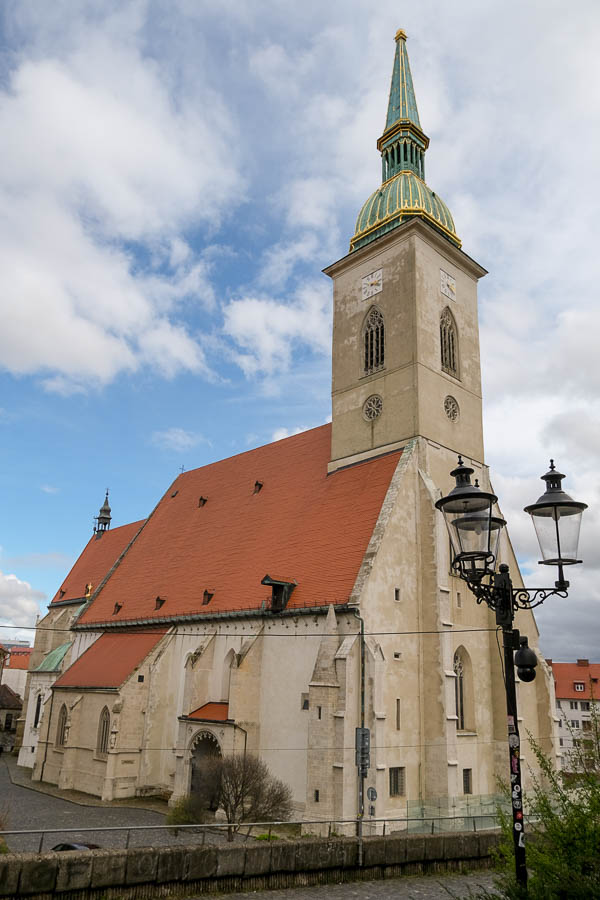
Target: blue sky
[(173, 178)]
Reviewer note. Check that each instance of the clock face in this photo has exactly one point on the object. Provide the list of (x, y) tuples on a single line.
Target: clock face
[(372, 284), (447, 285)]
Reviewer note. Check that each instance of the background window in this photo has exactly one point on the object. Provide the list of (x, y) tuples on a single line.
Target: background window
[(467, 781), (397, 781), (61, 728), (38, 709), (103, 732)]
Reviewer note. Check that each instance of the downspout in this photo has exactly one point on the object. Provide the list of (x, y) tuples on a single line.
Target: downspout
[(235, 725), (361, 777)]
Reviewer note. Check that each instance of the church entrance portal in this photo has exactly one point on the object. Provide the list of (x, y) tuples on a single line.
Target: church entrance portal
[(204, 749)]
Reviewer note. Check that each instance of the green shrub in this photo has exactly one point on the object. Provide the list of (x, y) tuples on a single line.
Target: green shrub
[(189, 811), (563, 836)]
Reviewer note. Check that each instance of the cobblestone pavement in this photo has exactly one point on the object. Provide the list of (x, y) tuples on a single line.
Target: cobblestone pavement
[(429, 887), (28, 808)]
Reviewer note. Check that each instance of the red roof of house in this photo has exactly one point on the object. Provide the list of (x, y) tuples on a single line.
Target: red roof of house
[(110, 660), (95, 561), (566, 675), (312, 527), (19, 658), (211, 712)]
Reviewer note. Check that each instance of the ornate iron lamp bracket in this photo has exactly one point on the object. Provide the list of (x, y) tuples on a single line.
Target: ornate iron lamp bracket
[(500, 595)]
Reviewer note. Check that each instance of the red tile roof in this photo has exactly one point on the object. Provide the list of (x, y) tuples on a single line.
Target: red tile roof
[(19, 659), (211, 712), (110, 660), (95, 561), (567, 674), (312, 527)]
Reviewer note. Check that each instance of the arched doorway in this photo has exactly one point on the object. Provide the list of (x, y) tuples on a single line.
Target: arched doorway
[(205, 747)]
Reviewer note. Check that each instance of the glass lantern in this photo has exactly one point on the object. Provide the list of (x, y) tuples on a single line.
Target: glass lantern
[(473, 528), (557, 520)]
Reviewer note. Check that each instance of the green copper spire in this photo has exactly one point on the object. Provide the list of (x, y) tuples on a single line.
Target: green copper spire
[(402, 103), (403, 194)]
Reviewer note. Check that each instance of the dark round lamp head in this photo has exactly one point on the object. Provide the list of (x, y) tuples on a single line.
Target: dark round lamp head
[(525, 661)]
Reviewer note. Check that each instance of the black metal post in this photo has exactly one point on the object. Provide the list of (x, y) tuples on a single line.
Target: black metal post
[(505, 618)]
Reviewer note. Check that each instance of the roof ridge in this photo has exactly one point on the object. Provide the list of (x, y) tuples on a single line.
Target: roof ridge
[(225, 459)]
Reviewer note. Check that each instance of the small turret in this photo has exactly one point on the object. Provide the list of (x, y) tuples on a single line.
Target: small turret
[(103, 518)]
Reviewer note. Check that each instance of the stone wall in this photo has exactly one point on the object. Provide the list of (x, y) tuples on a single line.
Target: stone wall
[(179, 871)]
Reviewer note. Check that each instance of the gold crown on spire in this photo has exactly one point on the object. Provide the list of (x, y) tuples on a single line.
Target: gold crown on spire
[(400, 35)]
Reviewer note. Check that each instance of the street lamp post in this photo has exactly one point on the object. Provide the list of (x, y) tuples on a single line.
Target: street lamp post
[(474, 530)]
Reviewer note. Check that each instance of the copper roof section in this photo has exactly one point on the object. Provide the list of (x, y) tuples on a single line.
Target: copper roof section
[(313, 527), (110, 660), (211, 712), (96, 560)]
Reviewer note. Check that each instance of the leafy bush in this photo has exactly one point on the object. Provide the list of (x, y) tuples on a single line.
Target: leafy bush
[(563, 839), (189, 811)]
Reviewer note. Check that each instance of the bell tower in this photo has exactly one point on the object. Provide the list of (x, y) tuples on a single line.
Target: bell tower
[(405, 330)]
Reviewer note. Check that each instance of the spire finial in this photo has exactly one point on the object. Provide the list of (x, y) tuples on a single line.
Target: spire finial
[(104, 517), (402, 106)]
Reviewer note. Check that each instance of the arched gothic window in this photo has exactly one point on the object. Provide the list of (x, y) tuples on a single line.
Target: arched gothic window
[(61, 728), (459, 692), (38, 710), (374, 341), (449, 343), (463, 691), (103, 732)]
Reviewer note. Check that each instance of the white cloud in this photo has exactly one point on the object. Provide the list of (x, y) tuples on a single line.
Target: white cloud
[(177, 439), (93, 260), (268, 331), (49, 489), (19, 602)]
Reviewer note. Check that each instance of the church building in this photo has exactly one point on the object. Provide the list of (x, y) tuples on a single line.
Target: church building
[(275, 601)]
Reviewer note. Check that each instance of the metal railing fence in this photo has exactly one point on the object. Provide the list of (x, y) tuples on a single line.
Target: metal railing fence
[(329, 828)]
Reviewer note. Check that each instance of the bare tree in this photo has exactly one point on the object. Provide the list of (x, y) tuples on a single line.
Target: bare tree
[(246, 791)]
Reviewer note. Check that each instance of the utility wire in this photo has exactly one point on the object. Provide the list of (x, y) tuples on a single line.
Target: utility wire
[(132, 629), (304, 749)]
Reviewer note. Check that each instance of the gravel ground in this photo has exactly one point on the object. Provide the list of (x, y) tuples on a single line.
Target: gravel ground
[(430, 887)]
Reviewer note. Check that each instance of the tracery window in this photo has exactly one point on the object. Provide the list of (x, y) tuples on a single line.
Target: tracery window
[(38, 711), (374, 341), (61, 728), (449, 343), (459, 692), (103, 732)]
